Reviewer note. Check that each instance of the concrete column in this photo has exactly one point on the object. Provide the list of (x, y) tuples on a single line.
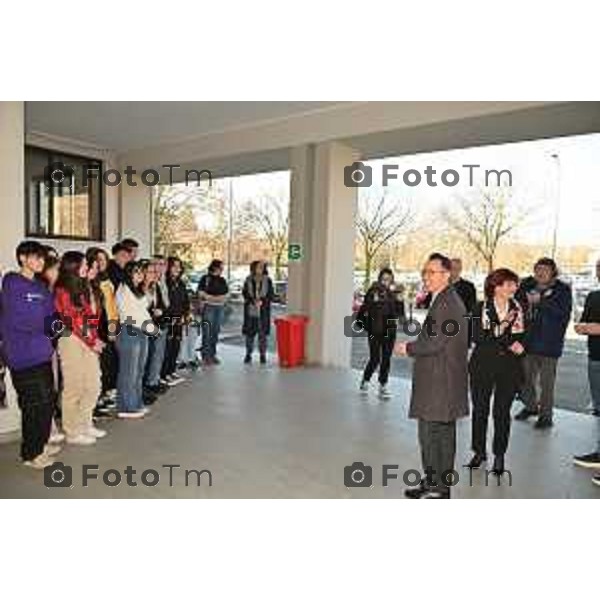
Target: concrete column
[(301, 192), (322, 215), (12, 224), (135, 214)]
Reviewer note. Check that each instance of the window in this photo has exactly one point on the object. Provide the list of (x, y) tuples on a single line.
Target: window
[(66, 209)]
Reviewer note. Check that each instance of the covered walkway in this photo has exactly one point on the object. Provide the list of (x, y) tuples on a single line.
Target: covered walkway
[(268, 433)]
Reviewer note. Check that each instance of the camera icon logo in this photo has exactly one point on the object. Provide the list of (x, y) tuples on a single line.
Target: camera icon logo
[(59, 175), (358, 475), (57, 326), (58, 475), (358, 175), (355, 327)]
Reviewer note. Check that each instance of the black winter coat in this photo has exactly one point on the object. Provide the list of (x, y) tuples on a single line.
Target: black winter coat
[(381, 311)]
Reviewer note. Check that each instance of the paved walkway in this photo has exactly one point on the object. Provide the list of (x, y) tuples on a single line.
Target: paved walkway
[(267, 433)]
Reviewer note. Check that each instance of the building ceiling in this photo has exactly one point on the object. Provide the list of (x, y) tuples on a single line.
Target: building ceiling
[(121, 126)]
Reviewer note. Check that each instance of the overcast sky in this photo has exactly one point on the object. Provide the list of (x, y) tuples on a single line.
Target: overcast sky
[(536, 176), (535, 183)]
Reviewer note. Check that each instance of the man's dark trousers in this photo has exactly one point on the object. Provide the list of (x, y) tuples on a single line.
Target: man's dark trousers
[(438, 449), (35, 392)]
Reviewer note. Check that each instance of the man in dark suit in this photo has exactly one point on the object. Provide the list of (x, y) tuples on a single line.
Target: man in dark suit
[(464, 288), (439, 388)]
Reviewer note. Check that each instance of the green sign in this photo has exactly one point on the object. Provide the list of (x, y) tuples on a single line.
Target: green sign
[(295, 252)]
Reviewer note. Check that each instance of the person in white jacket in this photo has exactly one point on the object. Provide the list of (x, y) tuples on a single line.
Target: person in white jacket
[(132, 342)]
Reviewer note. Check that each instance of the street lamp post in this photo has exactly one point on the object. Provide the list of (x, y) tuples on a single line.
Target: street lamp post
[(556, 158), (230, 229)]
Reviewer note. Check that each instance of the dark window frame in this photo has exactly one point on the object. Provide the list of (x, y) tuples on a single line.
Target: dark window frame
[(56, 156)]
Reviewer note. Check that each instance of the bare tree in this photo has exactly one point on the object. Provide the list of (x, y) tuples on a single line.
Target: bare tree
[(268, 218), (486, 220), (377, 223), (173, 213)]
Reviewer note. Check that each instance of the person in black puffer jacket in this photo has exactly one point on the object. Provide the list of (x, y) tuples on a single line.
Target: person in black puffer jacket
[(380, 314)]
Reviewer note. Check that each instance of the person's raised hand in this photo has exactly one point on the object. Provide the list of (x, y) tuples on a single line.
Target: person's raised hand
[(400, 349)]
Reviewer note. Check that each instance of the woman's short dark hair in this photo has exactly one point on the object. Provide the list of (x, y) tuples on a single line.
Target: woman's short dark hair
[(214, 265), (385, 271), (497, 278)]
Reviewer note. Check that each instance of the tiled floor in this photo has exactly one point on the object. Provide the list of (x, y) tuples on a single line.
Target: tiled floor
[(267, 433)]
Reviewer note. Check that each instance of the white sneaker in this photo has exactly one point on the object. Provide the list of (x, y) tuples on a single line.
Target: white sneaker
[(41, 461), (174, 380), (52, 449), (384, 391), (364, 386), (81, 440), (56, 438), (96, 433), (131, 415), (145, 410)]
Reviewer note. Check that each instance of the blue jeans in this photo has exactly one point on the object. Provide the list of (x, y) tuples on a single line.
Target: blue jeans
[(156, 356), (211, 326), (594, 381), (187, 351), (133, 350)]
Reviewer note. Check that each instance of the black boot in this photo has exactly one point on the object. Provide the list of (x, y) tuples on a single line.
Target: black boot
[(415, 493), (498, 467), (543, 422), (524, 414), (476, 461)]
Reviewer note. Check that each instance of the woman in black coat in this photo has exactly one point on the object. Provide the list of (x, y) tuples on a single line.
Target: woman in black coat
[(258, 294), (175, 316), (380, 314), (495, 365)]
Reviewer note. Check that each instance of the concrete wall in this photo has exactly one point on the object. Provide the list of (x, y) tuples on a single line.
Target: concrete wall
[(12, 221)]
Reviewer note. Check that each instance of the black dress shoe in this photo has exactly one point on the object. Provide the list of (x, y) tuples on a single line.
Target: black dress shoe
[(263, 359), (498, 467), (415, 493), (248, 359), (476, 461), (159, 389), (543, 423), (149, 397), (524, 414)]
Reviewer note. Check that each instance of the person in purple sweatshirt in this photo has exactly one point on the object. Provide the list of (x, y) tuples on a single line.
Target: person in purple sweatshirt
[(27, 309)]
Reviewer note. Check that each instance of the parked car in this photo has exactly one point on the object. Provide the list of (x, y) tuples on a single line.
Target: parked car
[(280, 288), (235, 289), (192, 279)]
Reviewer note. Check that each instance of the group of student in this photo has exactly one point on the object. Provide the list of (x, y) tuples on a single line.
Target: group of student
[(85, 335), (516, 335)]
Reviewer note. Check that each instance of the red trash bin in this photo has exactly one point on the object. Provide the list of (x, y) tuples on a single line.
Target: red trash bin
[(291, 333)]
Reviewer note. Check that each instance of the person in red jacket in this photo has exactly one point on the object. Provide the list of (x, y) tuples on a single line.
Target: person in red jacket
[(79, 347)]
